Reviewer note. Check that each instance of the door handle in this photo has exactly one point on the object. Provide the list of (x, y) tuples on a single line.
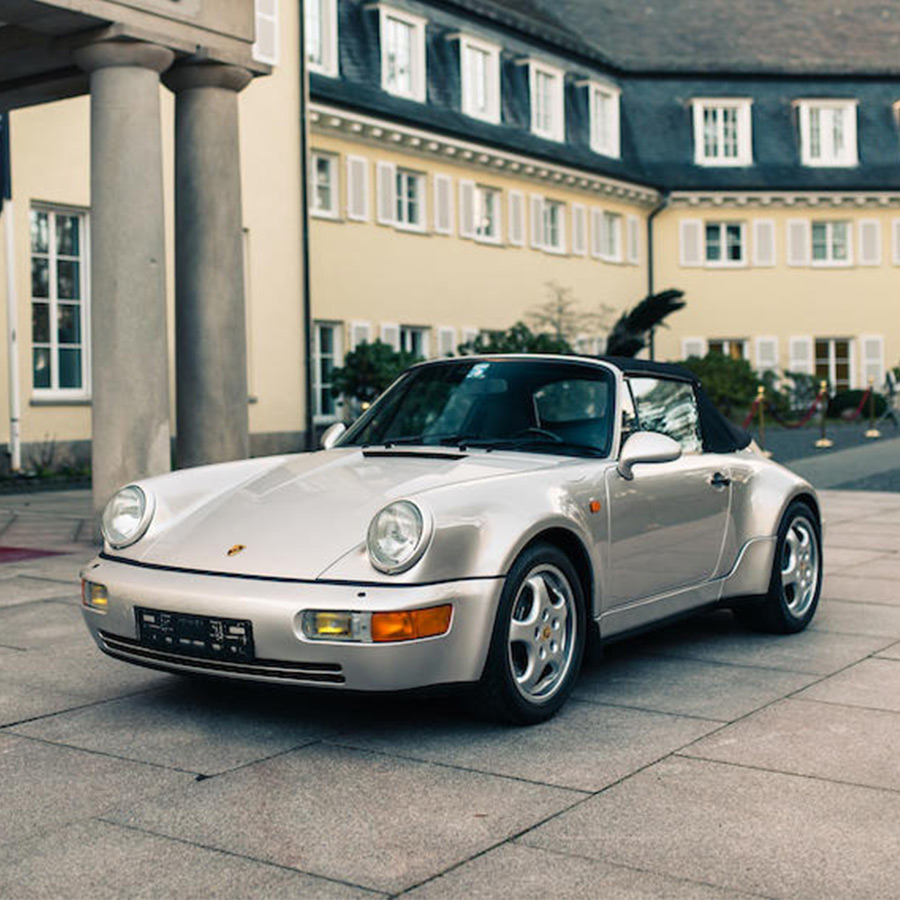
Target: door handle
[(719, 480)]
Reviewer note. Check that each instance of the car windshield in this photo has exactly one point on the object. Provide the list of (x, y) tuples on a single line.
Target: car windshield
[(544, 406)]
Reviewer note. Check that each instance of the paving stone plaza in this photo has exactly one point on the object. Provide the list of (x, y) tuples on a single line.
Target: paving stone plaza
[(704, 761)]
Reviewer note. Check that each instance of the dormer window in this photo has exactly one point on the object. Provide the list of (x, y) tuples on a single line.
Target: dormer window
[(548, 116), (402, 53), (479, 64), (828, 132), (722, 132), (604, 114)]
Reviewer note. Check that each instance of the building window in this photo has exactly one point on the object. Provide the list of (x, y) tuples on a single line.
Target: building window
[(722, 132), (414, 340), (321, 29), (410, 188), (554, 236), (59, 303), (831, 243), (547, 101), (725, 244), (833, 362), (604, 114), (402, 53), (611, 237), (487, 213), (324, 194), (480, 69), (828, 133), (735, 348), (327, 358)]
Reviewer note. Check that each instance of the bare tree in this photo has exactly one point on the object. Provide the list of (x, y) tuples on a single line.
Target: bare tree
[(560, 316)]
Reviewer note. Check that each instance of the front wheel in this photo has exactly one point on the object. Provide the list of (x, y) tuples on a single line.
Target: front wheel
[(538, 639), (796, 579)]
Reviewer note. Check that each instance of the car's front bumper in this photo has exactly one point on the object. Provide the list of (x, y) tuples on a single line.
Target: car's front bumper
[(282, 653)]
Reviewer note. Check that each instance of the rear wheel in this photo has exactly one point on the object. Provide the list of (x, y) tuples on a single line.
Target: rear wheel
[(538, 639), (796, 579)]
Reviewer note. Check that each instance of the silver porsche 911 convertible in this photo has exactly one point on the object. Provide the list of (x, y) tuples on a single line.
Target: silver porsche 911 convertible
[(478, 525)]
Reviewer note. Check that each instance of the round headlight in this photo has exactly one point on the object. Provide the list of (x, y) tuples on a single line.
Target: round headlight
[(397, 536), (127, 516)]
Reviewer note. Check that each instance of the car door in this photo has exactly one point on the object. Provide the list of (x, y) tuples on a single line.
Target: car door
[(668, 523)]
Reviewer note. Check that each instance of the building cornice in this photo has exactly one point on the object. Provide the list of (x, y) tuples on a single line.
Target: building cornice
[(326, 119), (786, 199)]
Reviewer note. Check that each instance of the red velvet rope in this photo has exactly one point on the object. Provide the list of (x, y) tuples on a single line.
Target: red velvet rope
[(809, 413), (861, 406)]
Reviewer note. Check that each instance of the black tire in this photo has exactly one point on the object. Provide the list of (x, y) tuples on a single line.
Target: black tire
[(527, 680), (796, 579)]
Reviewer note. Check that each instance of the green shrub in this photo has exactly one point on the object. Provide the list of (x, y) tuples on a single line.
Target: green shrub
[(844, 403)]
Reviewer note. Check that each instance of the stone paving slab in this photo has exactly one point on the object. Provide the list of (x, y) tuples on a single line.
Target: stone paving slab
[(873, 684), (586, 747), (368, 819), (780, 836), (20, 589), (196, 727), (861, 589), (46, 787), (64, 568), (101, 861), (43, 625), (892, 652), (886, 567), (529, 873), (686, 687), (846, 617), (801, 737), (841, 559), (861, 536)]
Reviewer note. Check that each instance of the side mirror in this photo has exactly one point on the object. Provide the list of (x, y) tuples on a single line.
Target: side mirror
[(332, 435), (646, 447)]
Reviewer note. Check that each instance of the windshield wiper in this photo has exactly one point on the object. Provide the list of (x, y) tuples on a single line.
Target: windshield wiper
[(541, 443)]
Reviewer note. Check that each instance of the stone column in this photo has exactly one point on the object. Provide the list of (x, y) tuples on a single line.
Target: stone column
[(210, 328), (129, 372)]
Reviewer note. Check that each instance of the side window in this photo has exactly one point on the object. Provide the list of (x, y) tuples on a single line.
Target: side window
[(670, 408), (629, 416)]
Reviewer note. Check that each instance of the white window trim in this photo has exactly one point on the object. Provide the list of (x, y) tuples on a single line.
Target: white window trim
[(613, 148), (320, 418), (614, 219), (421, 226), (84, 392), (335, 210), (832, 263), (493, 78), (850, 157), (557, 131), (330, 64), (560, 248), (418, 61), (744, 131), (422, 330), (478, 193), (725, 263)]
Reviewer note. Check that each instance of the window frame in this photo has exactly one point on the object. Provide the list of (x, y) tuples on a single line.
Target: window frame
[(492, 78), (610, 147), (850, 155), (337, 357), (830, 262), (401, 200), (743, 131), (728, 345), (54, 392), (559, 246), (417, 58), (557, 128), (481, 192), (334, 186), (723, 262), (330, 62), (423, 332), (611, 249)]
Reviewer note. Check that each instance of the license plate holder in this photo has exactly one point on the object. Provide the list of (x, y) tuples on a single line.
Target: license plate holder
[(186, 634)]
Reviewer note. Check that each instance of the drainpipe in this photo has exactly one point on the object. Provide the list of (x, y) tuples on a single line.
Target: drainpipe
[(12, 340), (650, 285), (304, 237)]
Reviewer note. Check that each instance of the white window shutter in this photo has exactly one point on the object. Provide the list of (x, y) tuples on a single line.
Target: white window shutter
[(516, 219), (869, 242), (798, 243), (360, 333), (265, 47), (693, 347), (872, 360), (387, 192), (634, 240), (767, 354), (390, 334), (357, 188), (895, 241), (467, 209), (579, 229), (467, 335), (563, 246), (596, 231), (537, 221), (800, 355), (446, 342), (763, 242), (443, 204), (690, 242)]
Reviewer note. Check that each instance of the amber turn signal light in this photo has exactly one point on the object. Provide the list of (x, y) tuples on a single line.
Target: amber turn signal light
[(411, 624)]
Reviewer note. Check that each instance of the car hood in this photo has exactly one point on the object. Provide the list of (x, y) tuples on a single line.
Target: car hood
[(296, 519)]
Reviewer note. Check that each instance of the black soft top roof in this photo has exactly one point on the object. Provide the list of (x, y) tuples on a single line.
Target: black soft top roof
[(631, 366)]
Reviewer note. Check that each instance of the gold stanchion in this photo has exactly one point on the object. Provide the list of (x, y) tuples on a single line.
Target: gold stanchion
[(872, 431), (824, 442), (761, 408)]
